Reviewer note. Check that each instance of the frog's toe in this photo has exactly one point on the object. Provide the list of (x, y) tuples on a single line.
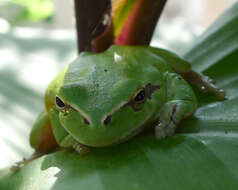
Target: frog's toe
[(170, 129), (81, 149), (162, 131), (16, 166)]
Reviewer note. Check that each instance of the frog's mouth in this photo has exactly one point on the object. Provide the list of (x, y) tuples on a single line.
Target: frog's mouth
[(124, 137), (134, 131)]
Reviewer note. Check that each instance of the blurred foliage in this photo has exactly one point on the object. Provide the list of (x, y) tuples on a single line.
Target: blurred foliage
[(33, 10), (26, 55)]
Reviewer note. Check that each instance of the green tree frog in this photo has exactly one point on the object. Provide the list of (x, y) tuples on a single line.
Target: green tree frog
[(107, 98)]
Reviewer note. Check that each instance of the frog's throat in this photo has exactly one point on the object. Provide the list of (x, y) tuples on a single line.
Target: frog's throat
[(134, 131)]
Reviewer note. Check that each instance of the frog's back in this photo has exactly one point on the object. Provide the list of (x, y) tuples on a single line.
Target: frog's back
[(164, 60), (117, 63), (127, 62), (121, 63), (102, 75)]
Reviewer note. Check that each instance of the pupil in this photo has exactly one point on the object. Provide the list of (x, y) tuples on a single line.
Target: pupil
[(140, 96), (59, 102)]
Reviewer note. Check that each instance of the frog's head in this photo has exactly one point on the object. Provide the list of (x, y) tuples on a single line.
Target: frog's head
[(104, 102)]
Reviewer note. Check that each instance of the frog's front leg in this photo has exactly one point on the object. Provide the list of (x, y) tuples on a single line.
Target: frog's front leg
[(63, 138), (181, 102), (41, 139)]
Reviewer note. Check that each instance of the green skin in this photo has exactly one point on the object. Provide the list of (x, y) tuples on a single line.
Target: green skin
[(105, 99)]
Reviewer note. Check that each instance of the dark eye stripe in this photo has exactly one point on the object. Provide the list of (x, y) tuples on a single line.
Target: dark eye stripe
[(59, 102)]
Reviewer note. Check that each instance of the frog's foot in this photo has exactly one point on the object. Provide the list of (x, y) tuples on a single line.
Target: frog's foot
[(16, 166), (161, 130), (204, 83), (208, 86), (81, 149)]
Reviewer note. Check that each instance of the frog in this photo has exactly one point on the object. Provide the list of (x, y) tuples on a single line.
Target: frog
[(103, 99)]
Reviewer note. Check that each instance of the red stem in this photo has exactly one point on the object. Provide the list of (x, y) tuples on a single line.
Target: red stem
[(139, 26), (137, 29), (89, 16)]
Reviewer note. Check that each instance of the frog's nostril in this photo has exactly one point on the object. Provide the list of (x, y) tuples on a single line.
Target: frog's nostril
[(107, 120), (86, 121)]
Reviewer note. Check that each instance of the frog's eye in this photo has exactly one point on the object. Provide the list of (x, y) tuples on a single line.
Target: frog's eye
[(140, 96), (59, 102)]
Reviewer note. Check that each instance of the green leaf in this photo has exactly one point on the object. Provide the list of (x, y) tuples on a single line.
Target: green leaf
[(181, 162), (202, 155), (34, 10)]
